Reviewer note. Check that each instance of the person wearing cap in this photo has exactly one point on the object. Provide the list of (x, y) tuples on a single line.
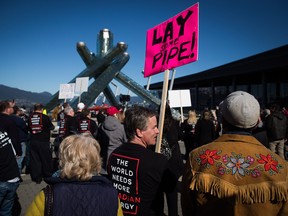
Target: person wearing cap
[(111, 134), (80, 107), (235, 174)]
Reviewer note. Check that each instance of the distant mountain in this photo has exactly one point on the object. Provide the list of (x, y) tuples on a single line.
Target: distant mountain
[(24, 98), (28, 99), (136, 100), (133, 100)]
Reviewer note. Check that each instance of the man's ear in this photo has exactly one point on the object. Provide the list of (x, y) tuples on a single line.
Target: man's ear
[(138, 133)]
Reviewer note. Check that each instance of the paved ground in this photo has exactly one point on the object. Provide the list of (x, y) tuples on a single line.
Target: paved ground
[(26, 193), (28, 189)]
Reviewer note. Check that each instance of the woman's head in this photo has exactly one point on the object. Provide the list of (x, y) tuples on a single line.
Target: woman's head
[(206, 115), (79, 157), (192, 116)]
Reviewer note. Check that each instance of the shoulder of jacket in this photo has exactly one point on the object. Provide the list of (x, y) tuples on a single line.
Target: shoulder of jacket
[(37, 206)]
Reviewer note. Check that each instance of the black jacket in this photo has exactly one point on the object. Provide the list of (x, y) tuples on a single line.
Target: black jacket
[(276, 125), (7, 124), (8, 164), (94, 197)]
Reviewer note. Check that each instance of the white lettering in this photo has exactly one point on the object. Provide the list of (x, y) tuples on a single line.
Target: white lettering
[(122, 162), (127, 206), (122, 171), (121, 187), (122, 179)]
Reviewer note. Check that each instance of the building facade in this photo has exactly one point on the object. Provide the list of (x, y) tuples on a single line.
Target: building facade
[(263, 75)]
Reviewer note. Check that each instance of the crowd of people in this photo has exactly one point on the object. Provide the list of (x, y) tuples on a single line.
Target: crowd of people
[(233, 164)]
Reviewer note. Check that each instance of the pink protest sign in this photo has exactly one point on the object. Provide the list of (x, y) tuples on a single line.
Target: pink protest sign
[(172, 43)]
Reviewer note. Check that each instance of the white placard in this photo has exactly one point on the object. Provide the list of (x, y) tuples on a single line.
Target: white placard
[(81, 85), (179, 98), (66, 91)]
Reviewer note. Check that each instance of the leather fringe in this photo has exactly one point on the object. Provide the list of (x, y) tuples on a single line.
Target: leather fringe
[(248, 193)]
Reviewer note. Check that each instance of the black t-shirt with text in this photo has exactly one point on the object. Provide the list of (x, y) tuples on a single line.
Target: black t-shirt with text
[(139, 175)]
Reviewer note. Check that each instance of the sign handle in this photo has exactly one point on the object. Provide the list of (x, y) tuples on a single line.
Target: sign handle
[(79, 99), (181, 108), (162, 110)]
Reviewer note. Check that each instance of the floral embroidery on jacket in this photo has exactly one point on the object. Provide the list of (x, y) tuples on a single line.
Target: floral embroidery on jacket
[(239, 164)]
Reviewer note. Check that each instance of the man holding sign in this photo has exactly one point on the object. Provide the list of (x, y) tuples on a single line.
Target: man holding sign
[(139, 174), (171, 44)]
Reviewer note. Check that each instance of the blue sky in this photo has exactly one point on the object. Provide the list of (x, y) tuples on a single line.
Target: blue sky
[(38, 38)]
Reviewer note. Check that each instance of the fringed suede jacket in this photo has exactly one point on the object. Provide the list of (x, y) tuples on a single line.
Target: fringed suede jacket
[(235, 175)]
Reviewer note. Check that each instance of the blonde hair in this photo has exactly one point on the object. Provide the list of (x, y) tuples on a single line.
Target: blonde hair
[(79, 157), (192, 117)]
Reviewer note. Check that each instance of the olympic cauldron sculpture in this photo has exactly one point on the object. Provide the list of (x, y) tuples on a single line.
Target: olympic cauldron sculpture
[(103, 68)]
